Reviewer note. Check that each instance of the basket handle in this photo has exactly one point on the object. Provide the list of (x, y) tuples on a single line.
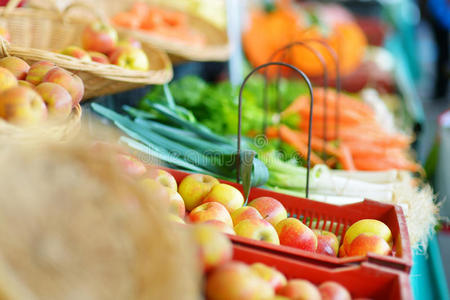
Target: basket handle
[(92, 10), (10, 6), (302, 75), (335, 57), (325, 80)]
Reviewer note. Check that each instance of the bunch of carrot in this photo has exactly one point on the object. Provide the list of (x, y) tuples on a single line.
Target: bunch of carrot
[(362, 143), (162, 21)]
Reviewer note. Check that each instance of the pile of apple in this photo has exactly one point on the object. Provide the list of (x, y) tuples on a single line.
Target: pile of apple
[(203, 199), (226, 279), (100, 43), (30, 95)]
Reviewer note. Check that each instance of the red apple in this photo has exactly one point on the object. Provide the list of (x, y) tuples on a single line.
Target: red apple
[(221, 226), (163, 177), (210, 211), (366, 226), (226, 194), (131, 165), (257, 229), (7, 79), (292, 232), (22, 106), (243, 213), (38, 70), (215, 248), (130, 58), (331, 290), (98, 57), (71, 82), (368, 242), (26, 84), (327, 243), (76, 52), (17, 66), (194, 188), (298, 289), (57, 100), (274, 277), (99, 37), (270, 209), (176, 204), (235, 281)]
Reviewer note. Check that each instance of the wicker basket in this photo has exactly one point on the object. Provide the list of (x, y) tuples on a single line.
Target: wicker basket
[(60, 131), (216, 48), (36, 34)]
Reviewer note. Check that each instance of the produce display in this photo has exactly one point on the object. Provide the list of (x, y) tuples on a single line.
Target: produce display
[(100, 43), (227, 279), (32, 94), (332, 185), (164, 22)]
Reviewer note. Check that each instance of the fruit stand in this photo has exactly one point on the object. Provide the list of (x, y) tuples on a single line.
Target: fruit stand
[(264, 153)]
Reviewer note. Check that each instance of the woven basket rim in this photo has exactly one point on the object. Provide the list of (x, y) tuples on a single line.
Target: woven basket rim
[(108, 71)]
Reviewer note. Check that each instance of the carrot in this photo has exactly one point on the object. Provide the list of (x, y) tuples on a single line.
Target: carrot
[(126, 19), (387, 163), (317, 144), (272, 132), (290, 136), (346, 158)]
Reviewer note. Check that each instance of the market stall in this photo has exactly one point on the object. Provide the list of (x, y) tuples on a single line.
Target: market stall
[(291, 174)]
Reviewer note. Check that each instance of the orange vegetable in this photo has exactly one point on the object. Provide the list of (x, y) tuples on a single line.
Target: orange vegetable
[(290, 136)]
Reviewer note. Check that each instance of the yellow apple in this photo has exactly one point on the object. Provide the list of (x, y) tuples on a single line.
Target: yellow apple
[(366, 226), (194, 188), (226, 194)]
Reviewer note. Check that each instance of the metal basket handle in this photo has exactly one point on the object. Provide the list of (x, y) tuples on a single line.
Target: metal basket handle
[(303, 75), (325, 80)]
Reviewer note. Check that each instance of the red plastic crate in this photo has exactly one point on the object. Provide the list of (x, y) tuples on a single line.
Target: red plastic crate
[(334, 218), (364, 281)]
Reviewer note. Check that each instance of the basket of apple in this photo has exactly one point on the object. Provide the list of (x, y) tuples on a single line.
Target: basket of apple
[(233, 272), (295, 227), (106, 62), (40, 99)]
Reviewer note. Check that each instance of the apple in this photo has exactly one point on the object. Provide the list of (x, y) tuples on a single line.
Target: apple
[(176, 219), (99, 37), (331, 290), (235, 281), (298, 289), (130, 58), (221, 226), (76, 52), (16, 65), (292, 232), (274, 277), (7, 79), (26, 84), (257, 229), (176, 204), (98, 57), (368, 242), (38, 70), (270, 209), (210, 211), (129, 42), (215, 248), (5, 34), (163, 177), (226, 194), (22, 106), (71, 82), (131, 165), (327, 243), (57, 100), (194, 188), (366, 226), (243, 213), (342, 251)]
